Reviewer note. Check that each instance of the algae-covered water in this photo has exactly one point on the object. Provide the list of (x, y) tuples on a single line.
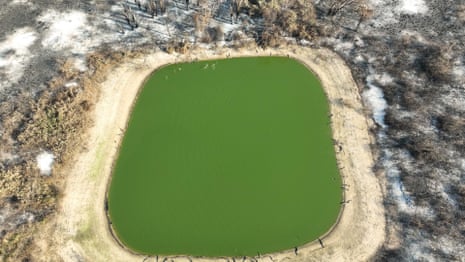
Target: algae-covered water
[(226, 158)]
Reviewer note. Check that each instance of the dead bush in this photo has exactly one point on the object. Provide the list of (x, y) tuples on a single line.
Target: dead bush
[(207, 36), (296, 18), (55, 120), (461, 12), (237, 36), (212, 34), (306, 11), (238, 39), (434, 63), (270, 37), (68, 69), (288, 19), (197, 21), (177, 45), (270, 15), (305, 32), (364, 12), (451, 124), (219, 33)]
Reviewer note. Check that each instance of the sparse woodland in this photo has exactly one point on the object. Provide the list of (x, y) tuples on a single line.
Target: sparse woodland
[(412, 60), (273, 20)]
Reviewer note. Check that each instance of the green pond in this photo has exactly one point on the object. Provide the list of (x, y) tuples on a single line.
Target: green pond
[(226, 158)]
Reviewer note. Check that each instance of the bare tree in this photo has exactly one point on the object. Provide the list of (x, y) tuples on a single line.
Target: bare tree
[(435, 63), (137, 2), (162, 5), (130, 17), (235, 8), (152, 8), (365, 13)]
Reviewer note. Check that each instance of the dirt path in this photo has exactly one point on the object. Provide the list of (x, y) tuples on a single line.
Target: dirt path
[(81, 232)]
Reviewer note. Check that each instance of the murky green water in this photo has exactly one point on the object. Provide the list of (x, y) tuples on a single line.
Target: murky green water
[(226, 158)]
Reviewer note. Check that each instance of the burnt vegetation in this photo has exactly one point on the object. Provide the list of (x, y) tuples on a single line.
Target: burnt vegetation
[(292, 19), (424, 141), (55, 121), (424, 138), (266, 22)]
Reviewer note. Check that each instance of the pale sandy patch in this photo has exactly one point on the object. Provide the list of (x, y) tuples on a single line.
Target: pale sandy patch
[(81, 231)]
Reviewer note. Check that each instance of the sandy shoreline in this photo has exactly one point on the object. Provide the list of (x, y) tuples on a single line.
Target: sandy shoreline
[(81, 231)]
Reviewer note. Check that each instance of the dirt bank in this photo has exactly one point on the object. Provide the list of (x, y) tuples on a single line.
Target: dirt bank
[(80, 230)]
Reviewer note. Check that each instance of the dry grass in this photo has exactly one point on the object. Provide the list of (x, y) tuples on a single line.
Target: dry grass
[(55, 120), (295, 18), (178, 45), (435, 64)]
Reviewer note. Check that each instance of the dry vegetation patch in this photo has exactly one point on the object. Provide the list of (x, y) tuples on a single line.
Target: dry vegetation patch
[(56, 121)]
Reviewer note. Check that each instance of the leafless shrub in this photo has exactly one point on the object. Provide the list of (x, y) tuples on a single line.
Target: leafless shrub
[(234, 9), (177, 45), (55, 120), (269, 14), (162, 4), (130, 17), (270, 37), (365, 13), (306, 12), (198, 23), (461, 12), (451, 124), (212, 34), (288, 19), (389, 255), (201, 19), (151, 8), (459, 191), (68, 70), (323, 30), (207, 36), (237, 36), (434, 63), (219, 36), (294, 18), (337, 5), (138, 3), (240, 40), (254, 3)]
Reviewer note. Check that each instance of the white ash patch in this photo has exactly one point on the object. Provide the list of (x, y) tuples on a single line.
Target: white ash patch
[(383, 78), (449, 245), (374, 97), (45, 162), (359, 58), (229, 28), (413, 7), (459, 73), (455, 97), (441, 190), (15, 55), (462, 164), (10, 218), (80, 64), (383, 13), (417, 252), (21, 2), (344, 46), (68, 30), (399, 194), (71, 84)]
